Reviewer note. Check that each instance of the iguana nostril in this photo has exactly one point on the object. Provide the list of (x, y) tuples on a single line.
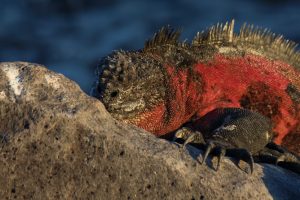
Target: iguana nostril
[(114, 94)]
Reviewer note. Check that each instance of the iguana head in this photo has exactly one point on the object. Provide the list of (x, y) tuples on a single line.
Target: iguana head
[(129, 83), (132, 84)]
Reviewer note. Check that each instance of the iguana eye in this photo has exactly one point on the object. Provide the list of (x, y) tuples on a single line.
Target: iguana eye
[(114, 94)]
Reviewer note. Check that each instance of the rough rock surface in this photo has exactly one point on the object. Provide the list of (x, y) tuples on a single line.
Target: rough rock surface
[(58, 143)]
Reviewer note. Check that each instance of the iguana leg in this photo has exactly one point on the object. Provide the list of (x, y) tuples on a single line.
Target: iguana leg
[(238, 133), (277, 155)]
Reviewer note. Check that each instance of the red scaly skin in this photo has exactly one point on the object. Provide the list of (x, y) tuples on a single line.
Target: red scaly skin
[(226, 82), (233, 77), (184, 102)]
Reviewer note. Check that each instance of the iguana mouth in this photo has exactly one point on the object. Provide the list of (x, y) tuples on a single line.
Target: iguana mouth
[(130, 108), (133, 105)]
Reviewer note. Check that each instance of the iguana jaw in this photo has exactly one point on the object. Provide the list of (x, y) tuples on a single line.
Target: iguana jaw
[(125, 110), (132, 106)]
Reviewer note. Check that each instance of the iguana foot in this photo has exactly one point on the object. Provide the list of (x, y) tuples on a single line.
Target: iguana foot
[(217, 148), (220, 149), (188, 136)]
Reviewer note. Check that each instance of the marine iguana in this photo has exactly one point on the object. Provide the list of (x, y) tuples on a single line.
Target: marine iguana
[(254, 74)]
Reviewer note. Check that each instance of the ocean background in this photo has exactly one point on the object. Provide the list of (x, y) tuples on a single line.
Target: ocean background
[(71, 36)]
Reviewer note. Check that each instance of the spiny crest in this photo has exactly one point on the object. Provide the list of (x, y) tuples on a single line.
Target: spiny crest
[(254, 39), (215, 35), (269, 42), (166, 35)]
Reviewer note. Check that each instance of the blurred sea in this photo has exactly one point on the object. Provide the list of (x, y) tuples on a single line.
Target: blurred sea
[(71, 36)]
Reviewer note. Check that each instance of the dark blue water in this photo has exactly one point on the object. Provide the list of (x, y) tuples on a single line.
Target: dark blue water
[(70, 36)]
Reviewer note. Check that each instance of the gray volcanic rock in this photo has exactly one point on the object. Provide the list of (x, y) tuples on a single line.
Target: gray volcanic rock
[(58, 143)]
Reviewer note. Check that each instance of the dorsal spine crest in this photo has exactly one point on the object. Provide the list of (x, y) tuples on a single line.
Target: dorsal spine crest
[(166, 35), (250, 38)]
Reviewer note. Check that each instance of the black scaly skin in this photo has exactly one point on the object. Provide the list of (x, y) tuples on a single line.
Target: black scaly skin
[(238, 133)]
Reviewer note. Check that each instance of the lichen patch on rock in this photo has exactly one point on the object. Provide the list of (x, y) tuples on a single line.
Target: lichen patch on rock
[(52, 80), (13, 75)]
